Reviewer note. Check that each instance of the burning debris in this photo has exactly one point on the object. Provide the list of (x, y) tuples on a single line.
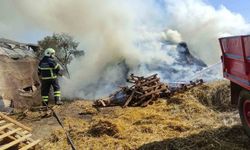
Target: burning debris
[(143, 92)]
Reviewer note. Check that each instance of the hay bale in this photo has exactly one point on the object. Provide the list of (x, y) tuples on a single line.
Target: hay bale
[(215, 95)]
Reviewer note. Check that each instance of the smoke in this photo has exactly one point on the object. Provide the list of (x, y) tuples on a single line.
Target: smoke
[(9, 22), (128, 36), (104, 29), (200, 25)]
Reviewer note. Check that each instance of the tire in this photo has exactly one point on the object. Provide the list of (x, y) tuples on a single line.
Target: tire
[(244, 110)]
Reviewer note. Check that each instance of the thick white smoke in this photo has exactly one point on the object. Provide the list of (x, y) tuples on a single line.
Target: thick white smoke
[(200, 25), (10, 23), (138, 33), (107, 32)]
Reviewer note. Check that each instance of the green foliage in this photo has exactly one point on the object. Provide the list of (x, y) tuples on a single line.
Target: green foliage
[(64, 45)]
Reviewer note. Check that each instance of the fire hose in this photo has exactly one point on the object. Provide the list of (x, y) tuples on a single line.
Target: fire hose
[(196, 76), (69, 139), (211, 67)]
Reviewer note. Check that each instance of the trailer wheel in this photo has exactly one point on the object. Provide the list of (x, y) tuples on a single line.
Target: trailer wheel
[(244, 110)]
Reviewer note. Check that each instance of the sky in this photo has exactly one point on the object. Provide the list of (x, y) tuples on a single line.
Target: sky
[(237, 6)]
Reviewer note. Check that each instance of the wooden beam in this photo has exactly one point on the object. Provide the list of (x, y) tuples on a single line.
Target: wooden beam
[(152, 87), (11, 137), (6, 146), (150, 81), (15, 122), (9, 133), (148, 101), (152, 76), (153, 92), (139, 101), (129, 99), (30, 145), (6, 126), (2, 121), (21, 134)]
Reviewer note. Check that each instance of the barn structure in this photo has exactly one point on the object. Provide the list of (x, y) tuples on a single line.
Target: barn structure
[(19, 82)]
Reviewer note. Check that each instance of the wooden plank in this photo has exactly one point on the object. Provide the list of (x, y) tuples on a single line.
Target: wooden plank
[(2, 121), (18, 133), (6, 126), (15, 122), (14, 142), (129, 99), (153, 92), (11, 137), (152, 87), (139, 101), (145, 78), (137, 92), (151, 81), (25, 132), (21, 133), (9, 133), (148, 101), (30, 145)]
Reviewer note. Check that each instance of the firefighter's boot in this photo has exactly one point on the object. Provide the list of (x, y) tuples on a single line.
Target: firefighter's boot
[(59, 102)]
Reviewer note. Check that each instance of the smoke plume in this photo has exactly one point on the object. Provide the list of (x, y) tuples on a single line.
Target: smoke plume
[(200, 25), (127, 36)]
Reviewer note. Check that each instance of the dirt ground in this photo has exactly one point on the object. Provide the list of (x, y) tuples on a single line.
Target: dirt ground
[(201, 118)]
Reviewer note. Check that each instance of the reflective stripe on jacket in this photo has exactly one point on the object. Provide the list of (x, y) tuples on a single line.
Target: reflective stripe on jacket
[(48, 68)]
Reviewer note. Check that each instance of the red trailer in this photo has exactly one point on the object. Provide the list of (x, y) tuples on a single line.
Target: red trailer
[(236, 68)]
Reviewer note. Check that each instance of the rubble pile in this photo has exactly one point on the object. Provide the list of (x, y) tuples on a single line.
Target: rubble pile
[(143, 92)]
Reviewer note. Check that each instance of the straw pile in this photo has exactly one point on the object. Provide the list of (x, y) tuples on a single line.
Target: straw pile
[(103, 128), (214, 95), (181, 122)]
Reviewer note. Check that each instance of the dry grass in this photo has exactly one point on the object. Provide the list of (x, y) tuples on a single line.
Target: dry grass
[(215, 95), (134, 127), (181, 122)]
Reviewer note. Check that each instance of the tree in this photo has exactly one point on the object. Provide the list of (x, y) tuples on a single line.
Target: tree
[(64, 45)]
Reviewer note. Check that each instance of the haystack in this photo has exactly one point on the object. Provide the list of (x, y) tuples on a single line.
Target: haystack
[(19, 82)]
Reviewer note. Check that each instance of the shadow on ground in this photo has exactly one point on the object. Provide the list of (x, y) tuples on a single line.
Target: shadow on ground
[(224, 138)]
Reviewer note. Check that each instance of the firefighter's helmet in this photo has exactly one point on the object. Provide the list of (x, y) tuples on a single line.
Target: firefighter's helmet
[(50, 52)]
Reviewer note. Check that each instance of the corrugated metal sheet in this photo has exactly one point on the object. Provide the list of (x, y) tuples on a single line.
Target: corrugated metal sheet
[(15, 50), (16, 53)]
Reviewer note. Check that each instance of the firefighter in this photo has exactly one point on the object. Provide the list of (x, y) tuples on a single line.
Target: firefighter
[(49, 70)]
